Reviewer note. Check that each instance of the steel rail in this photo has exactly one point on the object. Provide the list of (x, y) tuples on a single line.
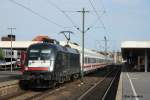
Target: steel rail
[(104, 96), (96, 84)]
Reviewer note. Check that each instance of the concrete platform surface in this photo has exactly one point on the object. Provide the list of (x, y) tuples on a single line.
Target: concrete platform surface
[(7, 75), (134, 86)]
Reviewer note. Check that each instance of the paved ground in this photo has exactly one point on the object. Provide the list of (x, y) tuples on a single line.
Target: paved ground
[(7, 75), (135, 86)]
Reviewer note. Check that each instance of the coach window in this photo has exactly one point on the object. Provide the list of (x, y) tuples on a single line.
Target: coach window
[(89, 60), (99, 60), (86, 60), (96, 60), (103, 60)]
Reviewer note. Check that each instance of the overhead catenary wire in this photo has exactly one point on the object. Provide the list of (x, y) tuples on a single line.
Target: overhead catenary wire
[(36, 13), (67, 16), (101, 2), (102, 5), (103, 12), (98, 16), (95, 23)]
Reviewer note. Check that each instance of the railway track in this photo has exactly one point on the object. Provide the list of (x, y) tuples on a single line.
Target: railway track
[(37, 94), (6, 88), (73, 90), (101, 89)]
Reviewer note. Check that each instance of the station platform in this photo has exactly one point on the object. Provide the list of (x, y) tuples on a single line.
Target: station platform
[(134, 86), (7, 75)]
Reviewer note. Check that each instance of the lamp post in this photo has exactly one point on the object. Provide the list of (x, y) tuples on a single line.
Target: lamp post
[(11, 30)]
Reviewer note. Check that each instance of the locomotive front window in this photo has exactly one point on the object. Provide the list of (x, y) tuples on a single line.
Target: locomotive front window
[(45, 54), (42, 54), (33, 54)]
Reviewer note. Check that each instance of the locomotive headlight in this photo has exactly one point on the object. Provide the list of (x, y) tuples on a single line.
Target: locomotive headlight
[(26, 68), (51, 65)]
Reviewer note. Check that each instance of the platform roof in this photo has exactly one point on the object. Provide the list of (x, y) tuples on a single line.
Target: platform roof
[(135, 44), (134, 48)]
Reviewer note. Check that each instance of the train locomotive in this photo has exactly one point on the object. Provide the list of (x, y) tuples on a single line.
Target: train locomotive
[(47, 64)]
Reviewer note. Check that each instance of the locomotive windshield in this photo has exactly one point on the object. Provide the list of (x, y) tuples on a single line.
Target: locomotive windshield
[(43, 54), (33, 54), (39, 56)]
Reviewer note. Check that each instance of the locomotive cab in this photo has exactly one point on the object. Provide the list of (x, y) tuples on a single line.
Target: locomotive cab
[(40, 58)]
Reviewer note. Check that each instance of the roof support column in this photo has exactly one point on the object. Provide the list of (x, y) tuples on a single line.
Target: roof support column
[(139, 62), (146, 60)]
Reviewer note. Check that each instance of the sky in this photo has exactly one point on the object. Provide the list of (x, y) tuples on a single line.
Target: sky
[(118, 20)]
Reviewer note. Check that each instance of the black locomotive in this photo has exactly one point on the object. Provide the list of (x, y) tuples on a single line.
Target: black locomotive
[(47, 64)]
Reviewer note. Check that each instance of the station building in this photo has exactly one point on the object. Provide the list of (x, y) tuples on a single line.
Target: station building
[(136, 54)]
